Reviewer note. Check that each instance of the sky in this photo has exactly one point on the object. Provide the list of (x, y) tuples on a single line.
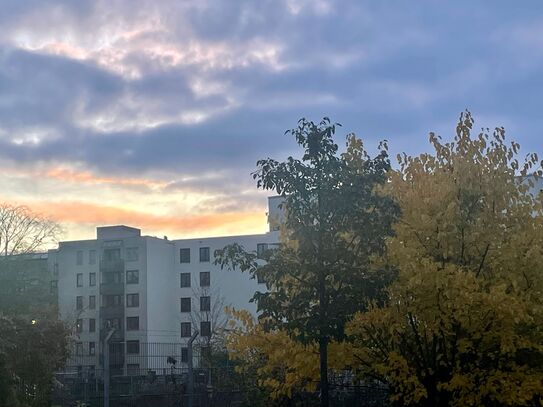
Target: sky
[(153, 113)]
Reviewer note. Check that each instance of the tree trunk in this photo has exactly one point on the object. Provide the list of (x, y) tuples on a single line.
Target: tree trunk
[(323, 354)]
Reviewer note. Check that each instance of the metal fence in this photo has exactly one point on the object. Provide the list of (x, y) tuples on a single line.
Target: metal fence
[(156, 374)]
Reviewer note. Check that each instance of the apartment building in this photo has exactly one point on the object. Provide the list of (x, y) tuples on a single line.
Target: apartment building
[(149, 289)]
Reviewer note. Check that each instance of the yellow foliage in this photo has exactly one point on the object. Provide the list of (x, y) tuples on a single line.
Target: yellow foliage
[(463, 324), (281, 364)]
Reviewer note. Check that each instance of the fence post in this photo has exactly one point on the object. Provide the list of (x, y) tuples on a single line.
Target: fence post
[(191, 374), (106, 367)]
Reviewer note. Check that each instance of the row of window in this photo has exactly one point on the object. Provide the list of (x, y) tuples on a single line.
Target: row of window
[(132, 324), (132, 301), (184, 255), (205, 279), (131, 254), (205, 304), (132, 277), (132, 348)]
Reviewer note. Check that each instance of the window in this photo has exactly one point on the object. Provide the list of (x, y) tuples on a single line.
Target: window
[(112, 300), (79, 349), (54, 285), (260, 249), (205, 279), (205, 304), (132, 300), (185, 304), (132, 277), (92, 325), (185, 280), (133, 347), (92, 257), (184, 355), (132, 369), (184, 255), (92, 348), (92, 302), (80, 279), (79, 258), (259, 277), (92, 279), (111, 255), (205, 328), (79, 302), (112, 323), (185, 330), (79, 326), (204, 254), (111, 277), (132, 323), (132, 254)]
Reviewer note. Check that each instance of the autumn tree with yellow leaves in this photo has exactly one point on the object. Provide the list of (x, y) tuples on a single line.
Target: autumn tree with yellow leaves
[(463, 324)]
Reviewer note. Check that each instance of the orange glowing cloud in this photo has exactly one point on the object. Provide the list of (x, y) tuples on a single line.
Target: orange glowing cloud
[(97, 215), (67, 175)]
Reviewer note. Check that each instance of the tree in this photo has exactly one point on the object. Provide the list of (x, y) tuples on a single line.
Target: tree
[(24, 276), (33, 343), (23, 231), (462, 325), (335, 222)]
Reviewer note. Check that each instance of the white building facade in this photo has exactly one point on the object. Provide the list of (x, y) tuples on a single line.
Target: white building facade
[(150, 290)]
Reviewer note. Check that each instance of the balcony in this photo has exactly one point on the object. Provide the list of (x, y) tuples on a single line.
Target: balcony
[(112, 288), (116, 311), (112, 265)]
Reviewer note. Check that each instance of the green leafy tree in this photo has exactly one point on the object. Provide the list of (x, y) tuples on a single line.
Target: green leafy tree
[(335, 222)]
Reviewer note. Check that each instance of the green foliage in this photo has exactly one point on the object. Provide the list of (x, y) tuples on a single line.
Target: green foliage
[(335, 222), (30, 352)]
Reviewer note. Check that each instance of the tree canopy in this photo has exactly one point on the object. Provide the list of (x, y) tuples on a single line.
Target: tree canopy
[(462, 325), (335, 222)]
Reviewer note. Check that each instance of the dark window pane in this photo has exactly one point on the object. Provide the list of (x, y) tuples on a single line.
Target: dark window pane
[(79, 302), (185, 304), (185, 280), (260, 249), (79, 326), (92, 301), (80, 280), (92, 325), (184, 355), (204, 254), (205, 328), (205, 279), (133, 347), (132, 300), (132, 277), (132, 323), (185, 330), (205, 304), (184, 255), (92, 279)]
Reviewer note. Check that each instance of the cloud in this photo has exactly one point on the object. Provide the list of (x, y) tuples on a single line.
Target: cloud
[(83, 213), (173, 102)]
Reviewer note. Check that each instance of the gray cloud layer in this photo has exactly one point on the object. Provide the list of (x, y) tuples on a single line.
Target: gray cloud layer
[(185, 88)]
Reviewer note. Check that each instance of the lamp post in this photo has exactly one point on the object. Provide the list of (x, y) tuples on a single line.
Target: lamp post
[(191, 374)]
